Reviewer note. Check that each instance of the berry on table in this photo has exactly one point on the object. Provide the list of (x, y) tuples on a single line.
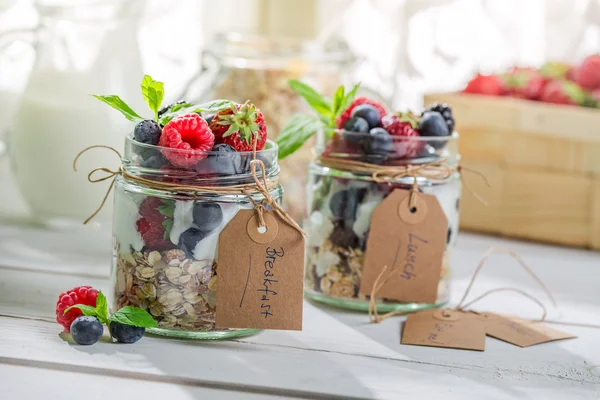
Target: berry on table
[(402, 128), (126, 333), (86, 330), (78, 295), (379, 142), (345, 116), (207, 216), (148, 131), (189, 239), (151, 224), (446, 112), (186, 132), (369, 113), (239, 125)]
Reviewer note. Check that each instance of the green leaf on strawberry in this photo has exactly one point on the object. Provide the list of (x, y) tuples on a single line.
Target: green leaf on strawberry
[(154, 93)]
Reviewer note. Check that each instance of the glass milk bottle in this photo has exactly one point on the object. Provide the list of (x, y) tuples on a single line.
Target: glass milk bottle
[(85, 47)]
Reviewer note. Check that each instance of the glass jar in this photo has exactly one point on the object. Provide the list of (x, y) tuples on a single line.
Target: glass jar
[(165, 240), (339, 208), (255, 67)]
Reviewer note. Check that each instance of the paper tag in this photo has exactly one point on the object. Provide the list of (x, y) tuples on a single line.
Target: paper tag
[(260, 275), (521, 332), (411, 243), (445, 328)]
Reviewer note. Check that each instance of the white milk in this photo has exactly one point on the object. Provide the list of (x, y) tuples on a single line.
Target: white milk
[(56, 120)]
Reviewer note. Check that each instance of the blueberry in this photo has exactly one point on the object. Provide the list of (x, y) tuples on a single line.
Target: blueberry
[(432, 124), (155, 161), (86, 330), (356, 124), (225, 161), (207, 216), (343, 236), (189, 239), (168, 107), (343, 204), (368, 113), (446, 112), (426, 151), (126, 333), (379, 142), (208, 117), (147, 131)]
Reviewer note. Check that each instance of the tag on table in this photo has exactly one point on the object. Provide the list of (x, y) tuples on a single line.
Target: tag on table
[(445, 328), (411, 243), (260, 275), (521, 332)]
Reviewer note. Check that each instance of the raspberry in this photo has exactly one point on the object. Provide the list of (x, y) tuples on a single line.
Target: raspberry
[(237, 127), (346, 114), (150, 224), (401, 127), (187, 133), (78, 295)]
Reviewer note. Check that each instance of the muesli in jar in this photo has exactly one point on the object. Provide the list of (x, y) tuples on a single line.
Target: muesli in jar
[(361, 132), (184, 176)]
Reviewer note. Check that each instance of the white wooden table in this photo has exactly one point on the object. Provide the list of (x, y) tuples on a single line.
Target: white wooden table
[(338, 355)]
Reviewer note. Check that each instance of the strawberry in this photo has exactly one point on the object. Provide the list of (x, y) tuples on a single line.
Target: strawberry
[(524, 83), (239, 125), (153, 223), (562, 92), (588, 73), (490, 85), (346, 114), (402, 127)]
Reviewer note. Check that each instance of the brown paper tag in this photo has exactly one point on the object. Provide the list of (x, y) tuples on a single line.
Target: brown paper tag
[(445, 328), (410, 243), (260, 275), (521, 332)]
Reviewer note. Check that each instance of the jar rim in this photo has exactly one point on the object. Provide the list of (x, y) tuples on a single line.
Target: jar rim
[(129, 139), (256, 46)]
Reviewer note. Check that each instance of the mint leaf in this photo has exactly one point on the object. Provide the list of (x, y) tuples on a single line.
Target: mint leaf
[(296, 132), (316, 100), (154, 93), (118, 104), (88, 311), (134, 316), (102, 307), (338, 102), (348, 99), (210, 107)]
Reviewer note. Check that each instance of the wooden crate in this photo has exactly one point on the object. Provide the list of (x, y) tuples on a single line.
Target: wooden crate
[(543, 162)]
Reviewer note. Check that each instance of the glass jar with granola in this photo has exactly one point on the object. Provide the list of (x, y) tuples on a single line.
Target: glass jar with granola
[(360, 137), (185, 174)]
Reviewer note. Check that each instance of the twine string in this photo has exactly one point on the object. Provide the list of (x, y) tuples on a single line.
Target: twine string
[(437, 170), (376, 318), (259, 187)]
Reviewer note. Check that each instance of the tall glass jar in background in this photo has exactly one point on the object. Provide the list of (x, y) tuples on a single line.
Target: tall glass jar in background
[(80, 48), (252, 67), (339, 208), (165, 241)]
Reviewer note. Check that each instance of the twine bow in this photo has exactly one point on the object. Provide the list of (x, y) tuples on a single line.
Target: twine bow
[(376, 318), (437, 170), (263, 187)]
